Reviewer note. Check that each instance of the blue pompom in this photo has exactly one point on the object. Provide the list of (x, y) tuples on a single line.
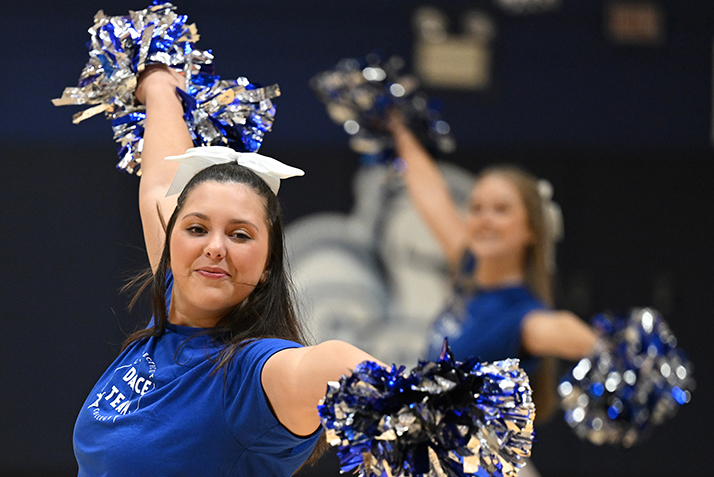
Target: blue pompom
[(442, 418), (231, 113), (636, 378), (358, 94)]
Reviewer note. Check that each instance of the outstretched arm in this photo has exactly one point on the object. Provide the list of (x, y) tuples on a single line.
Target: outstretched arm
[(296, 379), (557, 333), (429, 191), (166, 134)]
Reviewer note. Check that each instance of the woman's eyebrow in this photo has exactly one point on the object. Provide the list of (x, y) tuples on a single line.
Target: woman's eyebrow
[(201, 216)]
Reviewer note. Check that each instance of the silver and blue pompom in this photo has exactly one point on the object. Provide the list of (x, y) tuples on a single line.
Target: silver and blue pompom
[(443, 418), (233, 113), (358, 93), (636, 379)]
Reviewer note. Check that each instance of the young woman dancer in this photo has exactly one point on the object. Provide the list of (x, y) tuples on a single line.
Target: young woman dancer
[(502, 253), (222, 381)]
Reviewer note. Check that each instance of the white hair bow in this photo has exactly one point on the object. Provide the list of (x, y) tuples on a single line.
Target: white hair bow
[(198, 158)]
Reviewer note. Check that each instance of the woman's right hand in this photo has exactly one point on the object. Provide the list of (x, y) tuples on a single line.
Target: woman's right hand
[(158, 75)]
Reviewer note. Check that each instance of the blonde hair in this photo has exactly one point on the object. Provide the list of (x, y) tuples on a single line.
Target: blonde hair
[(545, 222)]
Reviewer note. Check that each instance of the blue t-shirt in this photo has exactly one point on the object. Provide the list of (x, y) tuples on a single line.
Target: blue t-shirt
[(488, 326), (485, 324), (159, 410)]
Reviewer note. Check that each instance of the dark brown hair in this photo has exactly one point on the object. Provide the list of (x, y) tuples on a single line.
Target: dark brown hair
[(268, 312)]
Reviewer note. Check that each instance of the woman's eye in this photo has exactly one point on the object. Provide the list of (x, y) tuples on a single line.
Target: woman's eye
[(240, 235), (196, 230)]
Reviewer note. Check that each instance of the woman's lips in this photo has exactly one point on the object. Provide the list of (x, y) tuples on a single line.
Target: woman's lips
[(212, 273)]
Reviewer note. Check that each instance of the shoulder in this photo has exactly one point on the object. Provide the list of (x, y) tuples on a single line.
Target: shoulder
[(509, 305), (246, 366), (260, 350), (261, 345)]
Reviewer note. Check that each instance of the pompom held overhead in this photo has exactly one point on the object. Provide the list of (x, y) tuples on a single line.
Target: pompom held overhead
[(358, 94), (233, 113), (636, 379), (119, 49), (444, 418)]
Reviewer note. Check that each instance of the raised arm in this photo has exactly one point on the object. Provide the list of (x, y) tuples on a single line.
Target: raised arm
[(296, 379), (557, 333), (429, 192), (166, 134)]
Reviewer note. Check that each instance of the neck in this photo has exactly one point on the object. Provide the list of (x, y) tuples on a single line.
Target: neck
[(193, 319), (493, 272)]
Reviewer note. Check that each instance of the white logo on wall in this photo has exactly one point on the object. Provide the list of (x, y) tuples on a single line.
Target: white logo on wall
[(123, 392), (375, 277)]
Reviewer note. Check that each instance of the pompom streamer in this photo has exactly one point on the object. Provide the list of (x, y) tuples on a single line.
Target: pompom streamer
[(444, 418), (358, 93), (233, 113), (636, 379)]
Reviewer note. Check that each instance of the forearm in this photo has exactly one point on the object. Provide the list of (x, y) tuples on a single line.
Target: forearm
[(578, 339), (430, 193), (422, 172), (295, 380), (557, 333), (165, 134)]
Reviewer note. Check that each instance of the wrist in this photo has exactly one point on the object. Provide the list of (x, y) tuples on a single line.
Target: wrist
[(157, 82), (402, 133)]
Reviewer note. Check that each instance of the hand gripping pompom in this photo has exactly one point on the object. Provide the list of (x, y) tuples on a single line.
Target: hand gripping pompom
[(635, 379), (358, 93), (233, 113), (444, 418)]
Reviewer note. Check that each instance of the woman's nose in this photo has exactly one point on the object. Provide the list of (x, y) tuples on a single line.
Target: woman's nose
[(215, 248)]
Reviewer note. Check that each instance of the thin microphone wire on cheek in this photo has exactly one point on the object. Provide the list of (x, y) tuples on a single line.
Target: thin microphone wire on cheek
[(261, 281), (252, 285)]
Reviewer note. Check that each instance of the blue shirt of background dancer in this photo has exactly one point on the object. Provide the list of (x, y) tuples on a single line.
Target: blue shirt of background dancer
[(487, 326)]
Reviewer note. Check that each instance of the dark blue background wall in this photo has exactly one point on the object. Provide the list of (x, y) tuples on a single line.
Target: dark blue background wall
[(622, 132)]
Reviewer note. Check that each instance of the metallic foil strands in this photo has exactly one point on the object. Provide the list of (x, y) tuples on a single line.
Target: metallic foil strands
[(232, 113), (636, 378), (119, 48), (444, 418), (358, 94)]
